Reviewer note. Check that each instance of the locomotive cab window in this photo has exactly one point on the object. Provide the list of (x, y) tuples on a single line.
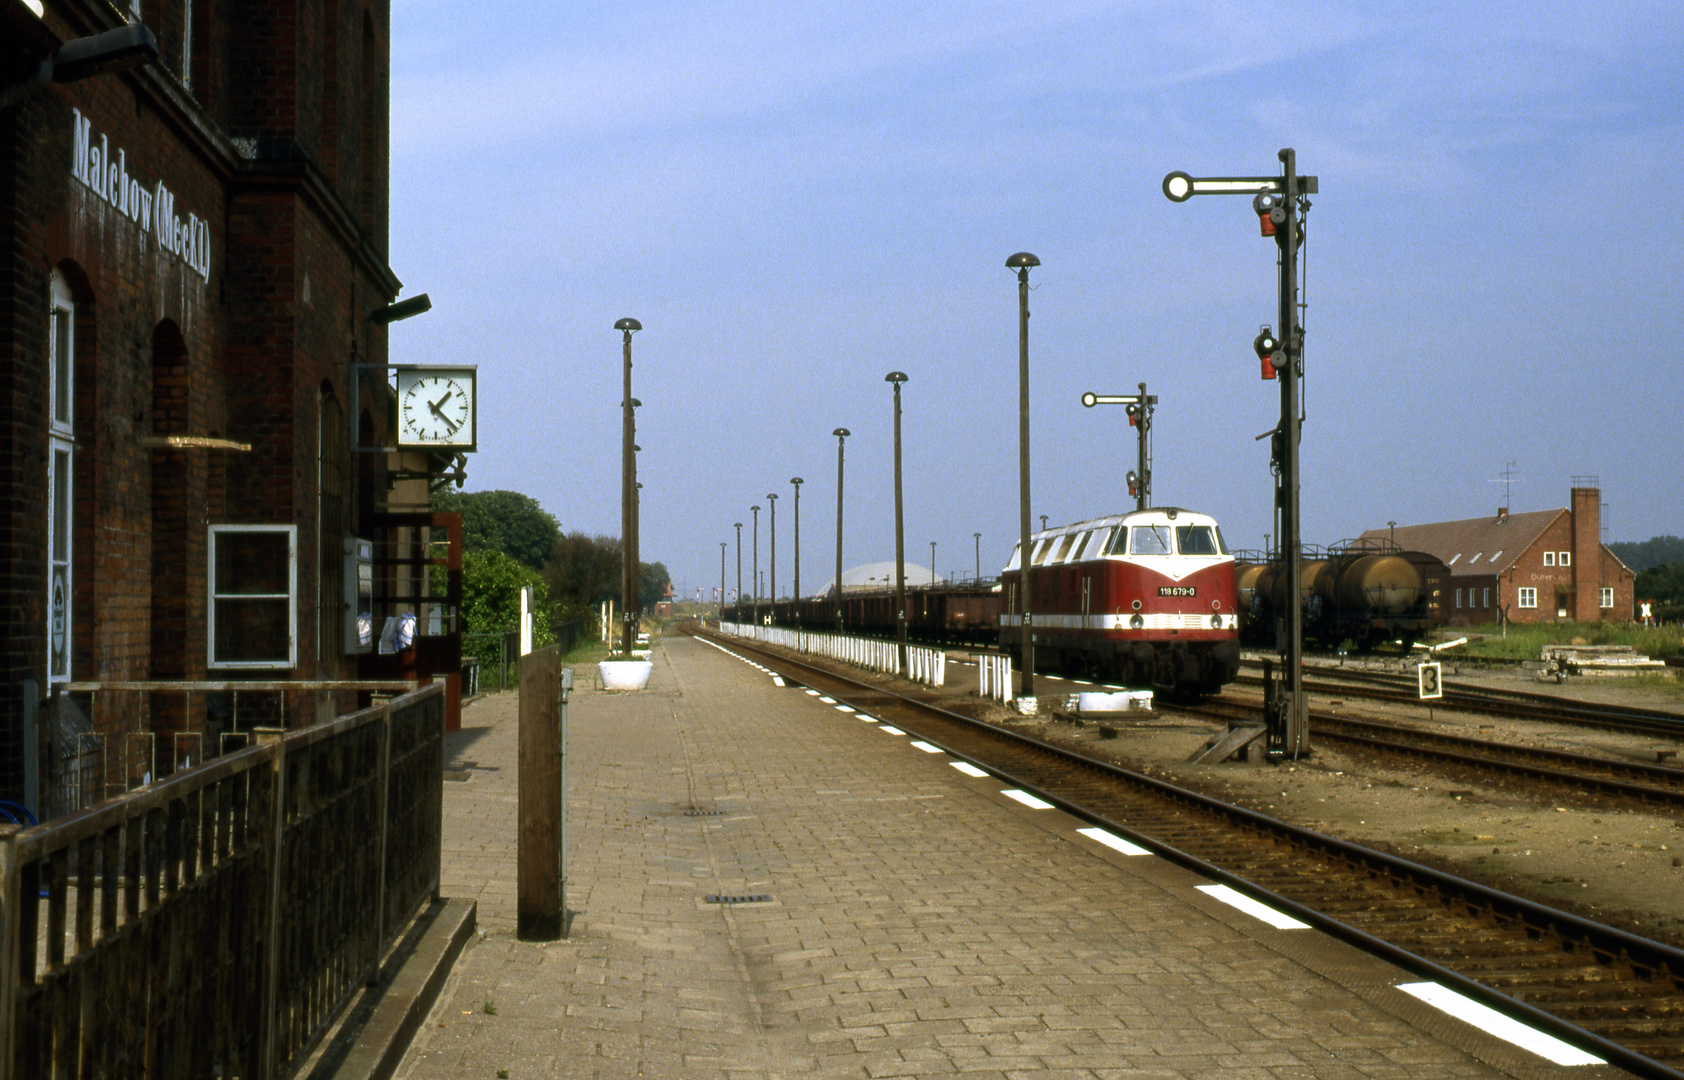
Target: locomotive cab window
[(1149, 540), (1198, 540)]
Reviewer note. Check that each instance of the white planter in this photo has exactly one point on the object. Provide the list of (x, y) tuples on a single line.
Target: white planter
[(624, 674)]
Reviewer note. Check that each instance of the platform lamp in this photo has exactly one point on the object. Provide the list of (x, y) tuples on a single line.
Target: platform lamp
[(978, 538), (1022, 262), (841, 434), (796, 482), (737, 598), (932, 564), (754, 565), (896, 378), (772, 532), (628, 496), (722, 546)]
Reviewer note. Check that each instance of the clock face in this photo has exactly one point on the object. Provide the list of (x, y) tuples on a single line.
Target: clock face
[(435, 408)]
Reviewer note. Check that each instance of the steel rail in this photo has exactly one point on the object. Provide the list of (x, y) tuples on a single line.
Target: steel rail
[(1608, 947)]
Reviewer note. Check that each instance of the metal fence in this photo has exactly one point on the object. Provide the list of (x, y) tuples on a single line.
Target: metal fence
[(214, 924)]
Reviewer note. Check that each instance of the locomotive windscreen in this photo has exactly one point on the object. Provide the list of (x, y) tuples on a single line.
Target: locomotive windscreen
[(1198, 540), (1149, 540)]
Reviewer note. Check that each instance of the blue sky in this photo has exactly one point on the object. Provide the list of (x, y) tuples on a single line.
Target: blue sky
[(795, 200)]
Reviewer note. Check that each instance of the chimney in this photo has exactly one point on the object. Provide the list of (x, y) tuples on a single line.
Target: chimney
[(1502, 514), (1587, 553)]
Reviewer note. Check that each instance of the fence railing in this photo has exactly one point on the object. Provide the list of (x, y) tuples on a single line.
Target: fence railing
[(994, 676), (215, 923), (924, 665)]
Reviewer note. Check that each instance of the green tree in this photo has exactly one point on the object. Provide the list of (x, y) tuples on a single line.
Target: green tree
[(505, 521), (491, 584), (1665, 586), (582, 572), (1649, 554), (652, 584)]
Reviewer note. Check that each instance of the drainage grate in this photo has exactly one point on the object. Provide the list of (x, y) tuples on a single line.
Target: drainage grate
[(704, 813), (753, 898)]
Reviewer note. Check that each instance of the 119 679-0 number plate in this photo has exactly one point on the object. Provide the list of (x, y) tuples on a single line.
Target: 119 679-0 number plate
[(1178, 590)]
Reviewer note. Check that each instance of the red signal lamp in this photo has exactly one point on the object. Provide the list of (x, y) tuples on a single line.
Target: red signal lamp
[(1271, 211)]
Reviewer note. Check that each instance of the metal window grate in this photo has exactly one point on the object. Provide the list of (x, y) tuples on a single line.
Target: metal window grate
[(752, 898)]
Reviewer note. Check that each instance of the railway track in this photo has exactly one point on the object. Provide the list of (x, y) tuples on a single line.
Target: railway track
[(1640, 782), (1510, 704), (1615, 994)]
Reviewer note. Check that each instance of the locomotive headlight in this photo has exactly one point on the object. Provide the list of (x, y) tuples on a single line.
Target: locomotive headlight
[(1138, 622), (1216, 622)]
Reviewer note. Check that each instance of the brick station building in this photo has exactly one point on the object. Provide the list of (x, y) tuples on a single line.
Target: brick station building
[(192, 270), (1533, 567)]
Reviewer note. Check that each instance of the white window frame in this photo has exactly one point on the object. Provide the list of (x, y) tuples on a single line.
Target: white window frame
[(290, 596), (1486, 594), (1564, 558), (61, 479), (1528, 597), (1605, 598), (1458, 598), (1549, 558)]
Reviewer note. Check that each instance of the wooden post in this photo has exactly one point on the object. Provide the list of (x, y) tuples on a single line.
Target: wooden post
[(11, 895), (538, 873), (383, 786), (269, 906)]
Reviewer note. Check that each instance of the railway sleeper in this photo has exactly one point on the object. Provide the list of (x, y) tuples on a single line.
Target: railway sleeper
[(1521, 977), (1579, 1007)]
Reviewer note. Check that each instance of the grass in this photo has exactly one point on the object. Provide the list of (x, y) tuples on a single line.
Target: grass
[(1526, 642)]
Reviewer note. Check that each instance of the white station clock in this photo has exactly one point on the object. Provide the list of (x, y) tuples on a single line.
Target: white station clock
[(437, 407)]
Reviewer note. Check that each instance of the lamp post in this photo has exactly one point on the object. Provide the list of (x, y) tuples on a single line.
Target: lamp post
[(978, 538), (722, 547), (1392, 525), (841, 434), (896, 378), (1043, 523), (754, 566), (1021, 262), (737, 597), (796, 482), (772, 530), (628, 497)]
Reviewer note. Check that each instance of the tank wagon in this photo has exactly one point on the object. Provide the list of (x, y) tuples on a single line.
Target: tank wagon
[(1146, 598), (1359, 591)]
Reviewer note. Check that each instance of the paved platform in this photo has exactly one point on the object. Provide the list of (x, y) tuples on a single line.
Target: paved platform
[(919, 921)]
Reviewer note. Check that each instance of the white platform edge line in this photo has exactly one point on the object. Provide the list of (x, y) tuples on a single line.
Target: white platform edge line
[(926, 747), (1495, 1024), (1234, 899), (1113, 841), (888, 730), (968, 769), (1027, 799)]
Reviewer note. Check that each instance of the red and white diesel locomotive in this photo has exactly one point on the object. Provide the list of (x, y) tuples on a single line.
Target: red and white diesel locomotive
[(1145, 598)]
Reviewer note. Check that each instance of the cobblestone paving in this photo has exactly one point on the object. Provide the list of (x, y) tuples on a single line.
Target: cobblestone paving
[(918, 924)]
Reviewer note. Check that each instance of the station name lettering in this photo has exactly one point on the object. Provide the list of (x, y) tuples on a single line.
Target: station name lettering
[(152, 209), (1178, 590)]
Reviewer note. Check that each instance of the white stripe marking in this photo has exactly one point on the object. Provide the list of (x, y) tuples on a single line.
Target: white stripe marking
[(1492, 1022), (828, 700), (777, 680), (967, 768), (1113, 841), (844, 708), (867, 719), (1276, 919), (810, 692), (926, 747), (1027, 799), (891, 730)]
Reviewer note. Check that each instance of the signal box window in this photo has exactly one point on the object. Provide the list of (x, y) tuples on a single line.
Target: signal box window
[(253, 593), (1528, 598), (1149, 540)]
